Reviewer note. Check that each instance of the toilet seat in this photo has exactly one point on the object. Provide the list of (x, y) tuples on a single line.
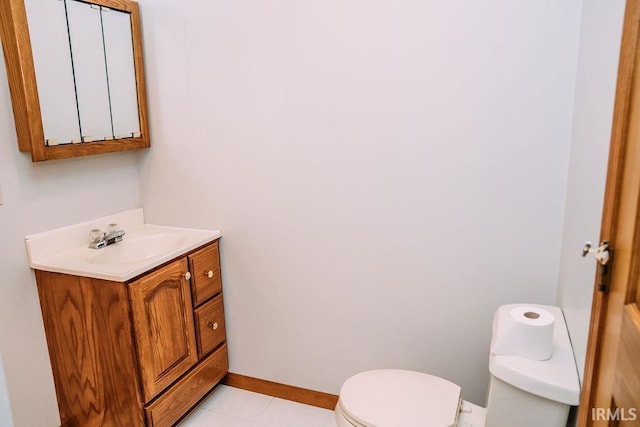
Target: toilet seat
[(395, 397)]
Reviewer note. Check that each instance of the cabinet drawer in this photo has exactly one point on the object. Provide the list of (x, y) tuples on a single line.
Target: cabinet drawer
[(205, 272), (210, 330), (182, 396)]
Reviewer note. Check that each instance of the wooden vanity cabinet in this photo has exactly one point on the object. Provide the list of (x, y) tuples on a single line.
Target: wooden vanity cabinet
[(138, 353)]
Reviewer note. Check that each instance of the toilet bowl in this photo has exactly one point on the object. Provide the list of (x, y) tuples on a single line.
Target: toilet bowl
[(522, 392)]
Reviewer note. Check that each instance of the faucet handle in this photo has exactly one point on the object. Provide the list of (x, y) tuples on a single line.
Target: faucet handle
[(95, 235), (112, 228)]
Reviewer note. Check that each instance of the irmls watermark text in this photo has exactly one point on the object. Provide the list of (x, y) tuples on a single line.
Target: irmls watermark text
[(618, 414)]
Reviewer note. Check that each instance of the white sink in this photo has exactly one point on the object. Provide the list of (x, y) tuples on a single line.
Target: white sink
[(131, 250), (144, 246)]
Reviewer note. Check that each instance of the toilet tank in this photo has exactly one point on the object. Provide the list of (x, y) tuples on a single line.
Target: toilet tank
[(533, 393)]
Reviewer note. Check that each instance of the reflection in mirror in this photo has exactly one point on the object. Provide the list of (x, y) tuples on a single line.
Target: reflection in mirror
[(85, 35), (52, 61), (96, 52), (116, 27)]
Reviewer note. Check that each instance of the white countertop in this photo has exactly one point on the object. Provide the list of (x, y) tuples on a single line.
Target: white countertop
[(65, 250)]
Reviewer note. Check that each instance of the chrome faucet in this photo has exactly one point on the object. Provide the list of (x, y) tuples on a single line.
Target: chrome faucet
[(99, 240)]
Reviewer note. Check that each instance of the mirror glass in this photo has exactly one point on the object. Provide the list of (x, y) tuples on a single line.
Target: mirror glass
[(122, 76), (89, 69), (54, 71), (85, 71)]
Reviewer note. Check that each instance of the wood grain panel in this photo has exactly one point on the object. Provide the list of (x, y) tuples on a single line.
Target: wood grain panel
[(283, 391), (163, 324), (626, 389), (66, 151), (172, 405), (91, 349), (205, 269), (138, 60), (21, 75)]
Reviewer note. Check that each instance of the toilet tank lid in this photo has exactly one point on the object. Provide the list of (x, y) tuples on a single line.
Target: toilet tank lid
[(386, 397), (554, 379)]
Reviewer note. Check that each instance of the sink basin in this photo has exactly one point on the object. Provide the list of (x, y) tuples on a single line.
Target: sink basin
[(137, 249)]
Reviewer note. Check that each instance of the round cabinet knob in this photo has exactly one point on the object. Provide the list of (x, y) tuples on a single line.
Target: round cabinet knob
[(213, 325), (209, 274), (187, 275)]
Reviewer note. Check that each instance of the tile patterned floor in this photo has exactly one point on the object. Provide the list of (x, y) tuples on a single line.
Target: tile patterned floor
[(233, 407)]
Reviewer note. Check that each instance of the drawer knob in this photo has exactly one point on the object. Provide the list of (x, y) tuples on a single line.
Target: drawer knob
[(210, 274), (213, 325), (187, 275)]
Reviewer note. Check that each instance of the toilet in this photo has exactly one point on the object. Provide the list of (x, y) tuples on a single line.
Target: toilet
[(522, 392)]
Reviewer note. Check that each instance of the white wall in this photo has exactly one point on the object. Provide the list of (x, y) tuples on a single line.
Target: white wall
[(5, 409), (385, 173), (600, 35), (39, 197)]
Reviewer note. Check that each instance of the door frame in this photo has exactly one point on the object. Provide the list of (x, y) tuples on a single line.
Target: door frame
[(603, 309)]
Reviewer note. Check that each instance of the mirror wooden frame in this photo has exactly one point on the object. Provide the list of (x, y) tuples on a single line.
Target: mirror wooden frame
[(16, 43)]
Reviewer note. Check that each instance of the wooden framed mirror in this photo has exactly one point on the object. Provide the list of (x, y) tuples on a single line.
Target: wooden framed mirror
[(76, 76)]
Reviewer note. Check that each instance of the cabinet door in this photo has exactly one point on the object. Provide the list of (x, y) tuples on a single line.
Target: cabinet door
[(163, 324)]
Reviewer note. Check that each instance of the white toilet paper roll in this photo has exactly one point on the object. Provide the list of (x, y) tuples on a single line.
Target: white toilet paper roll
[(527, 332)]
